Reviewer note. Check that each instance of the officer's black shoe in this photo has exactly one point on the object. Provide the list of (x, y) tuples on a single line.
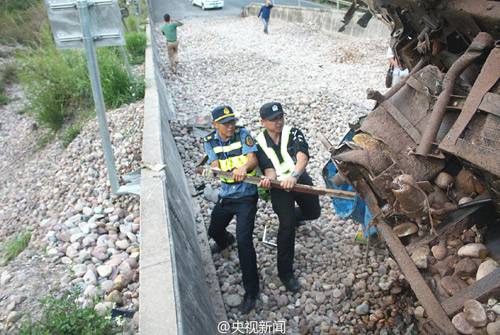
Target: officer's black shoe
[(291, 284), (248, 304), (230, 241), (300, 223)]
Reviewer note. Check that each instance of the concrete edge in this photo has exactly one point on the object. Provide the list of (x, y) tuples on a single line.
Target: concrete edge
[(201, 232), (157, 307), (211, 274)]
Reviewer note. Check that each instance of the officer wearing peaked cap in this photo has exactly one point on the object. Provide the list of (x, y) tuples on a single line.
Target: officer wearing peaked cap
[(232, 148), (283, 154)]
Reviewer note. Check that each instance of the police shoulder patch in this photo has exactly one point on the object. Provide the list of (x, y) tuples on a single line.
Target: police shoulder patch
[(207, 138), (249, 141)]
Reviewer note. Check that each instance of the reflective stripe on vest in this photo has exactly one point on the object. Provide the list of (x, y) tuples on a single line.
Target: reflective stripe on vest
[(233, 162), (285, 168), (227, 148)]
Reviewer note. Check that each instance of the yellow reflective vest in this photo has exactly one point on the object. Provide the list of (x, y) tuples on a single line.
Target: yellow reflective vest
[(285, 168), (229, 155)]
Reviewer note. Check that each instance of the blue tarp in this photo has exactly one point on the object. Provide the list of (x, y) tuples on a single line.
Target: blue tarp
[(355, 209)]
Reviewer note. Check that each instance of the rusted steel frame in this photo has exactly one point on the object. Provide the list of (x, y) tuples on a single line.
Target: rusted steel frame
[(480, 290), (487, 78), (413, 276), (482, 42), (491, 103), (402, 121), (417, 282)]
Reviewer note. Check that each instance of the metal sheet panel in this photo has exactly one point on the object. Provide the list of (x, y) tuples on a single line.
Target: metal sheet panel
[(106, 25)]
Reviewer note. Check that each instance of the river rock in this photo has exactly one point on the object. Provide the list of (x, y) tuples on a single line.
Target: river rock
[(493, 328), (90, 277), (465, 268), (475, 313), (233, 300), (442, 268), (122, 244), (115, 296), (100, 252), (419, 256), (419, 312), (104, 270), (473, 250), (486, 268), (461, 324), (102, 308), (439, 251), (13, 317), (90, 292), (5, 278), (362, 309), (79, 269)]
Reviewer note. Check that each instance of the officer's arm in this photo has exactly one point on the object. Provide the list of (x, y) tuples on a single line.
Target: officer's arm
[(270, 173), (302, 160), (252, 161)]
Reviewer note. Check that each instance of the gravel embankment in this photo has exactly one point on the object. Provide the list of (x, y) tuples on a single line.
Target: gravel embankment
[(81, 234)]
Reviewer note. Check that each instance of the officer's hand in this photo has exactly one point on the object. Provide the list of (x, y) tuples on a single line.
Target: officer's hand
[(265, 183), (240, 173), (288, 183)]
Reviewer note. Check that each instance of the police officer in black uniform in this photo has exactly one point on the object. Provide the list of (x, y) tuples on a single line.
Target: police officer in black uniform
[(232, 148), (283, 154)]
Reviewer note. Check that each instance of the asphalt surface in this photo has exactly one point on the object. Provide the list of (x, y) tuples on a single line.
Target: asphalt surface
[(182, 9)]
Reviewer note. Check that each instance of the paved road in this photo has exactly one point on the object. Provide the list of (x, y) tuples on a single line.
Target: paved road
[(182, 9)]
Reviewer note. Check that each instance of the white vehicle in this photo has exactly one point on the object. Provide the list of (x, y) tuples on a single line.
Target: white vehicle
[(206, 4)]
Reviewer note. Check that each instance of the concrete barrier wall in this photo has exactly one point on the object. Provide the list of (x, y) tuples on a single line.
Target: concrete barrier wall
[(326, 20), (175, 295)]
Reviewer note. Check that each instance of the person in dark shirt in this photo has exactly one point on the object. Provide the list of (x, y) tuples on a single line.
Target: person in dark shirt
[(265, 14), (283, 154)]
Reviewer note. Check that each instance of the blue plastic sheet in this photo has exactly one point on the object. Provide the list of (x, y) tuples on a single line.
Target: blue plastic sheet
[(356, 208)]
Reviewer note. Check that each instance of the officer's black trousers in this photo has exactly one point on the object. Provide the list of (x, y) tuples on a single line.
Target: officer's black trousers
[(284, 206), (244, 209)]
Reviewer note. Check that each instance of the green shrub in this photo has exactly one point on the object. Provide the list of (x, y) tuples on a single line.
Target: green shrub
[(3, 98), (16, 5), (58, 86), (8, 73), (14, 246), (136, 46), (70, 134), (22, 21), (63, 316), (118, 87), (131, 22)]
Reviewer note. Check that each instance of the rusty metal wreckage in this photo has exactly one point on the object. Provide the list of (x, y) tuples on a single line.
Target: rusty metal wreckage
[(432, 143)]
